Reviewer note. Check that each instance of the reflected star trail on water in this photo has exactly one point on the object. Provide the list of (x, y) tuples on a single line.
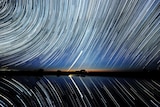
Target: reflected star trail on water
[(80, 34), (71, 91)]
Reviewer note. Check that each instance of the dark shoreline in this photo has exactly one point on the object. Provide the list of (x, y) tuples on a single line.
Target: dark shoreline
[(83, 73)]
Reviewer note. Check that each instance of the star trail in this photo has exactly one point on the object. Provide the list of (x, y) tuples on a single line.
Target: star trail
[(74, 91), (89, 37), (80, 34)]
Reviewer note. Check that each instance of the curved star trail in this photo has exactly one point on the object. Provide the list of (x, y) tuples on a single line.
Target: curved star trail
[(52, 91), (80, 34)]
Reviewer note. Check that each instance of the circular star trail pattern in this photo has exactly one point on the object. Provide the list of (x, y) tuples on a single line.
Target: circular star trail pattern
[(52, 91), (80, 34)]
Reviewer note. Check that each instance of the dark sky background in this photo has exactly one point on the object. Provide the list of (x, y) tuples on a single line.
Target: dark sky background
[(80, 34)]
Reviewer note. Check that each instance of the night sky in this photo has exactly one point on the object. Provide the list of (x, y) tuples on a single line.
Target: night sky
[(80, 34)]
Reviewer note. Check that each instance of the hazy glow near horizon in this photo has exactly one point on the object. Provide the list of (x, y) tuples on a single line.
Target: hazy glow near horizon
[(80, 34)]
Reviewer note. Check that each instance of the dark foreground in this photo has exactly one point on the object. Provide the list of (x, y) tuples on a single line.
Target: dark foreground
[(79, 89)]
